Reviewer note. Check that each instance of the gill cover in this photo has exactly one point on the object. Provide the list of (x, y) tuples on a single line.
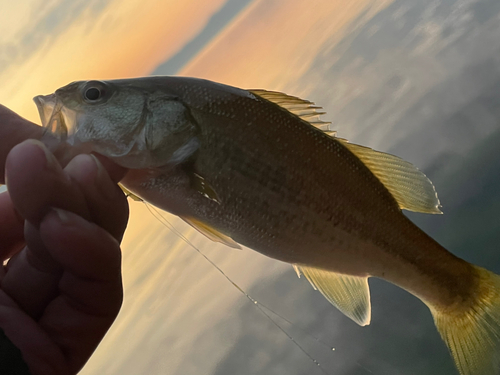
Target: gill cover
[(136, 127)]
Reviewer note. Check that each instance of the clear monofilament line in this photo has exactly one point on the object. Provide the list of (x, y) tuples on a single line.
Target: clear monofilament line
[(164, 221)]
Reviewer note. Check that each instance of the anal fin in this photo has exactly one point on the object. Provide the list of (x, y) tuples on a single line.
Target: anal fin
[(350, 294), (211, 233)]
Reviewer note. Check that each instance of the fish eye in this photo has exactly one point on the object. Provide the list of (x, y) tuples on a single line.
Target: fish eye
[(92, 94)]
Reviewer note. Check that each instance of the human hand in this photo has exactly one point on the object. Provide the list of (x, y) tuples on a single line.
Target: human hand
[(61, 290)]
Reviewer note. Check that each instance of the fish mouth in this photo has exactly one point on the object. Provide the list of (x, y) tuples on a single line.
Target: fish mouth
[(49, 109), (56, 119)]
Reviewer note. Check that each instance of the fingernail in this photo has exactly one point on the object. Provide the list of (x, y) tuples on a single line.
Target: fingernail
[(100, 168), (62, 214)]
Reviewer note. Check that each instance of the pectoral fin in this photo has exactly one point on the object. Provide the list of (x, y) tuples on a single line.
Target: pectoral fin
[(211, 233), (350, 294), (203, 187)]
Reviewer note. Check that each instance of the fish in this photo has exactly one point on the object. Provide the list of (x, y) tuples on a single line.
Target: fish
[(261, 169)]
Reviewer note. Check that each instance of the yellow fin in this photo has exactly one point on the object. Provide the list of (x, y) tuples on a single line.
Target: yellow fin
[(411, 188), (350, 294), (130, 195), (472, 332), (211, 233), (304, 109)]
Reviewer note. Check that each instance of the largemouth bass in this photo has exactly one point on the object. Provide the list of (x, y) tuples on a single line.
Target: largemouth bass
[(260, 169)]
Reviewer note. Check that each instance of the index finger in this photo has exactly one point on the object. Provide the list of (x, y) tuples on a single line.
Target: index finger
[(13, 130)]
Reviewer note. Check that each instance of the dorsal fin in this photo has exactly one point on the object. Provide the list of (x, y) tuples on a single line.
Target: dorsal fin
[(350, 294), (410, 187), (304, 109)]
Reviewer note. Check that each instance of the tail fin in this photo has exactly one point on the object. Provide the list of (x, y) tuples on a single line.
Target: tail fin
[(472, 332)]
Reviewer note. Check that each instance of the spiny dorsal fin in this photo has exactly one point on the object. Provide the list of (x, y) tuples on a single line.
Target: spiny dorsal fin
[(350, 294), (411, 188), (304, 109), (211, 233)]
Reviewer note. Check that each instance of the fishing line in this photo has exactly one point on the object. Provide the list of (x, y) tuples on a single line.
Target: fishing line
[(163, 220), (159, 216)]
